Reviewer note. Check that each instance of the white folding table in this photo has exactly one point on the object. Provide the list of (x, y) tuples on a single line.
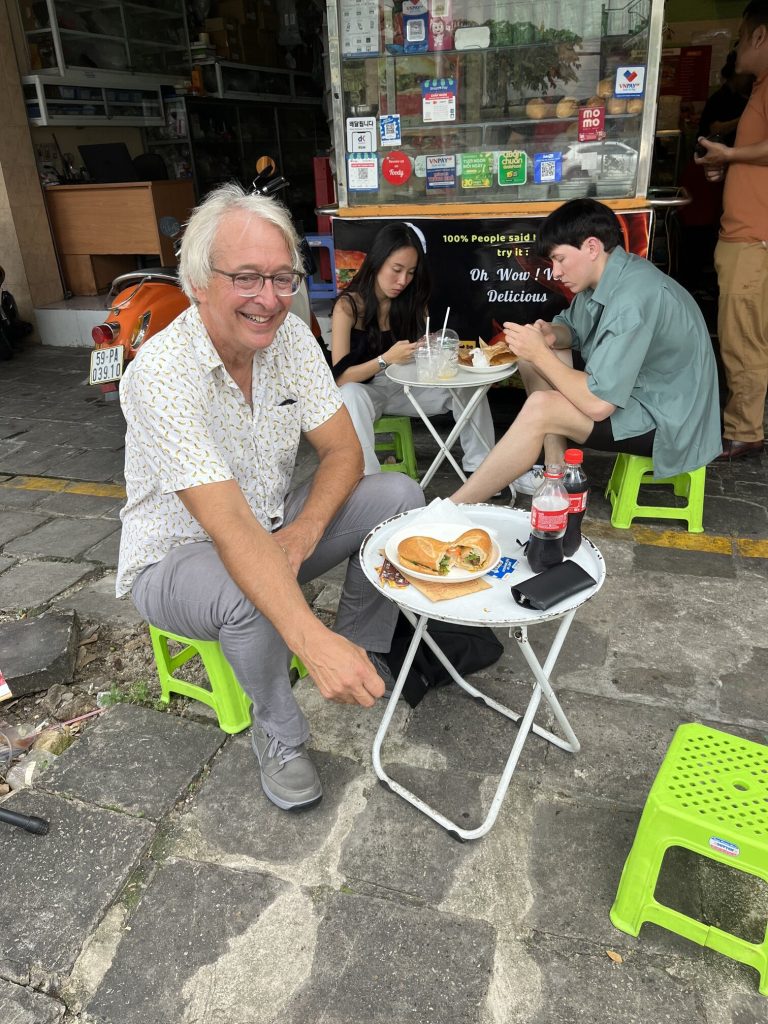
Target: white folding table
[(495, 608), (478, 382)]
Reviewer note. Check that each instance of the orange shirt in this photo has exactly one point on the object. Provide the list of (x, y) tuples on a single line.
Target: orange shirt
[(745, 200)]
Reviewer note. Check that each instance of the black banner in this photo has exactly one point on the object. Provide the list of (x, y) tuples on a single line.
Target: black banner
[(487, 271)]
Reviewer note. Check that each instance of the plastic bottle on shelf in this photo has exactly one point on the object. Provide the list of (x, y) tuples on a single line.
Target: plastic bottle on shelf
[(549, 517), (576, 484)]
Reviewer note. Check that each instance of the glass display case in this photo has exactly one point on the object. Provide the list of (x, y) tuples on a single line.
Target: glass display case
[(78, 100), (114, 35), (480, 102)]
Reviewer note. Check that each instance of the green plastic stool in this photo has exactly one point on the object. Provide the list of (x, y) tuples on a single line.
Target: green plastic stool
[(225, 695), (710, 796), (400, 442), (630, 471)]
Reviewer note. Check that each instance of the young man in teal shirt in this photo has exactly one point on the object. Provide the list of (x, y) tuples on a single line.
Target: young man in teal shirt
[(649, 383)]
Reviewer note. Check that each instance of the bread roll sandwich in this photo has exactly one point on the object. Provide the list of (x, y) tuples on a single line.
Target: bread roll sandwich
[(425, 554), (472, 550), (498, 354)]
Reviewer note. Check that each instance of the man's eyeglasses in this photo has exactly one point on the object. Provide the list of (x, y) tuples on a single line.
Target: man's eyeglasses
[(247, 285)]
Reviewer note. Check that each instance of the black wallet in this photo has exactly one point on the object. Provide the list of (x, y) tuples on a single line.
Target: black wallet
[(552, 586)]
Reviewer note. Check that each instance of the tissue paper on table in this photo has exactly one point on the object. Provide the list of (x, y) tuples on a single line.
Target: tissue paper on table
[(442, 510)]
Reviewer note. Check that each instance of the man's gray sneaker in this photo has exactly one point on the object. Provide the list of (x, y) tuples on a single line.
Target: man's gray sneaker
[(288, 776), (379, 662)]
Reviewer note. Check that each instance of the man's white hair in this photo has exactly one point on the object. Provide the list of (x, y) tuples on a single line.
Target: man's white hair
[(196, 257)]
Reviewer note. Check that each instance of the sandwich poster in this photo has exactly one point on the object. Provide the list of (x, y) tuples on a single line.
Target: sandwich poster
[(490, 263)]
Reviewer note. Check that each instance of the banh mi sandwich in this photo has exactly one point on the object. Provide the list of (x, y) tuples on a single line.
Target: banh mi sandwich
[(498, 354), (471, 551), (425, 554)]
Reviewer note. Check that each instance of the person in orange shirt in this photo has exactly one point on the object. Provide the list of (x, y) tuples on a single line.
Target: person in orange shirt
[(741, 255)]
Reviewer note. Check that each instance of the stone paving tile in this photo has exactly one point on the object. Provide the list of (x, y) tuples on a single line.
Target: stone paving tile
[(99, 466), (576, 856), (17, 497), (232, 816), (134, 759), (707, 564), (378, 962), (743, 694), (739, 516), (564, 982), (222, 928), (62, 538), (20, 1005), (34, 584), (36, 653), (395, 850), (16, 524), (95, 601), (68, 504), (6, 562), (106, 551), (61, 883), (17, 458), (462, 733)]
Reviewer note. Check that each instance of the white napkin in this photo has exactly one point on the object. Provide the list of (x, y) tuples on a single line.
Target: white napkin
[(442, 510)]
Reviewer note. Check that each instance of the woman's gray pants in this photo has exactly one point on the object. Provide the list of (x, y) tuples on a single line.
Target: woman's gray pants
[(189, 592)]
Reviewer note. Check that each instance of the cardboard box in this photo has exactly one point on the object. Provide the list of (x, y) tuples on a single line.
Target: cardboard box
[(259, 46), (227, 45), (221, 25), (245, 12)]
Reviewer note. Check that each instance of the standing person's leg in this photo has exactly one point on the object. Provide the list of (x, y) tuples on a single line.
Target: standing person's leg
[(742, 274)]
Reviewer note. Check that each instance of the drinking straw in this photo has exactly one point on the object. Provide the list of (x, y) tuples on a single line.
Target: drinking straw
[(426, 332), (445, 324)]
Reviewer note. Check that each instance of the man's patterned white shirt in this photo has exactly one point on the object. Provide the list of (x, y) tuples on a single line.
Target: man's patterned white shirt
[(189, 424)]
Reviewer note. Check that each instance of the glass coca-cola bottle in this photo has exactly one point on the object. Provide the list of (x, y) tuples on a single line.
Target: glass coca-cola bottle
[(549, 518), (576, 484)]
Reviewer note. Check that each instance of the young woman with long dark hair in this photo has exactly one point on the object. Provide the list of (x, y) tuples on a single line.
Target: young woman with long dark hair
[(376, 320)]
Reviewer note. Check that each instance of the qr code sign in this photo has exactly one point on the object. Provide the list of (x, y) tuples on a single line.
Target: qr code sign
[(548, 170)]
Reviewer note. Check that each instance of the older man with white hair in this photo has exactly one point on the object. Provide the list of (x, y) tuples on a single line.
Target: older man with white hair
[(215, 543)]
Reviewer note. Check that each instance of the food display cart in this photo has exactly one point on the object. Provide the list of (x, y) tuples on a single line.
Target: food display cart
[(473, 119)]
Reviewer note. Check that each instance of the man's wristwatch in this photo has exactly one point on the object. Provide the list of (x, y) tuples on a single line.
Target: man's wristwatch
[(383, 364)]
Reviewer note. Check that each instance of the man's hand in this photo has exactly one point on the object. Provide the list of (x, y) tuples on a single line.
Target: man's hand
[(547, 332), (715, 159), (298, 540), (527, 341), (342, 671)]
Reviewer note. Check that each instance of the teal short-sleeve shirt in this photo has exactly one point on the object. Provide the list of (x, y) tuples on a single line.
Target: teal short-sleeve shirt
[(647, 350)]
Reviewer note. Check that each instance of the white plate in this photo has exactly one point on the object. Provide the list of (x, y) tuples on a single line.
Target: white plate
[(445, 532), (483, 369)]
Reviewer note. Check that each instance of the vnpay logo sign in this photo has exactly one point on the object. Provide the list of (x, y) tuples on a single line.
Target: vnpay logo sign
[(630, 81), (723, 846)]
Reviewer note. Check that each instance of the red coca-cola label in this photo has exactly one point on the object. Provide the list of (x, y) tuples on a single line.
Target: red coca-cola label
[(549, 520), (578, 502)]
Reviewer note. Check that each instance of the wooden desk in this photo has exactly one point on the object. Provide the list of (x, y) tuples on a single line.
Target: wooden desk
[(95, 227)]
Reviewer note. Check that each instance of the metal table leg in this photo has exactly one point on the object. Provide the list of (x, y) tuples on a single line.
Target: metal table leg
[(541, 688), (444, 446)]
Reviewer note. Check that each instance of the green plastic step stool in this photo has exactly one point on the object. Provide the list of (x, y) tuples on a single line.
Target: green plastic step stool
[(397, 436), (225, 695), (710, 796), (632, 471)]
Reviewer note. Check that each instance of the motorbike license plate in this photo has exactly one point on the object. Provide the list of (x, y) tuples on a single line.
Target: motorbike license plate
[(106, 364)]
